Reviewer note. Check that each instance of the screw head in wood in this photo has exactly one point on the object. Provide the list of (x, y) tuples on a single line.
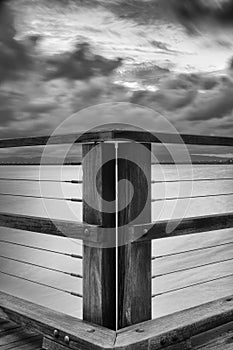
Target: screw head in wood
[(140, 330), (67, 339), (91, 330), (86, 231), (56, 333), (229, 299)]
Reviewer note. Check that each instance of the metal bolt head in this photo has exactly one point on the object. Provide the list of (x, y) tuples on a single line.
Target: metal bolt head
[(86, 231), (145, 231), (56, 333), (67, 339)]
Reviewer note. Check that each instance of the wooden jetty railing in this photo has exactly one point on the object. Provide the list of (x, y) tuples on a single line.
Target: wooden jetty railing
[(117, 294)]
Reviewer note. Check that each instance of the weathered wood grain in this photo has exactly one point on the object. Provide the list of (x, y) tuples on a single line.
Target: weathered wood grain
[(224, 342), (83, 335), (218, 338), (62, 228), (99, 265), (115, 134), (17, 338), (176, 328), (32, 343), (92, 233), (134, 259), (186, 226), (5, 327), (52, 344)]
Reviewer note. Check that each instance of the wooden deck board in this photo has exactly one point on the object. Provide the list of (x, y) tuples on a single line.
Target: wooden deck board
[(14, 337)]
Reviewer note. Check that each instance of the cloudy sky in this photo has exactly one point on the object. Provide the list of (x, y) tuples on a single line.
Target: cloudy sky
[(61, 56)]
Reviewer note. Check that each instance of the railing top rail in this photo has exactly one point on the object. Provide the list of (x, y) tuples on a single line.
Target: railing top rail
[(117, 134)]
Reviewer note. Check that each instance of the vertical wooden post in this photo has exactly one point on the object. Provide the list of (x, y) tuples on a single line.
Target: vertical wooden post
[(133, 292), (99, 264), (134, 259)]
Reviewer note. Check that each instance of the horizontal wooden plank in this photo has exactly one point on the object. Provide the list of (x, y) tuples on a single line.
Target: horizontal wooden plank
[(28, 342), (91, 233), (18, 338), (40, 276), (7, 327), (189, 260), (36, 173), (176, 328), (114, 134), (186, 226), (215, 339), (51, 344), (42, 295), (44, 259), (182, 330), (190, 278), (59, 190), (83, 335), (33, 240), (52, 209), (61, 228)]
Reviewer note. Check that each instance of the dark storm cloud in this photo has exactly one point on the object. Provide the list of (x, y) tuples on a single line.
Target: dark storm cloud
[(7, 115), (214, 104), (46, 99), (140, 11), (196, 9), (81, 64), (14, 58), (167, 99), (188, 12), (194, 12), (192, 98)]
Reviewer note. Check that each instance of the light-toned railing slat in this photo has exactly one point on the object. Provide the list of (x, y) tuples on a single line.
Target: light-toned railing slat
[(191, 260), (43, 259), (51, 244), (41, 207), (41, 295), (167, 304), (183, 279), (188, 245), (45, 189), (37, 274), (35, 173)]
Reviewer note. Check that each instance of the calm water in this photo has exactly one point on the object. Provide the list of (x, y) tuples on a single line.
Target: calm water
[(163, 267)]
